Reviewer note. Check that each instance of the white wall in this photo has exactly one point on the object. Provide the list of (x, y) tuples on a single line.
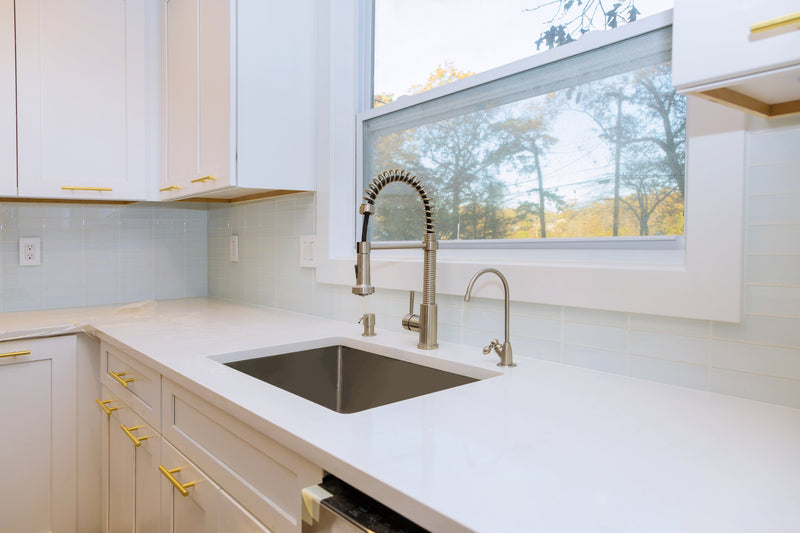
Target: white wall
[(102, 254), (758, 359)]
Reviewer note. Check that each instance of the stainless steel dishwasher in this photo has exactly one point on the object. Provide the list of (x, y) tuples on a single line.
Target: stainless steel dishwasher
[(345, 509)]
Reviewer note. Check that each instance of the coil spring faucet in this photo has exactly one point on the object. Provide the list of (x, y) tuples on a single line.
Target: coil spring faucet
[(426, 322)]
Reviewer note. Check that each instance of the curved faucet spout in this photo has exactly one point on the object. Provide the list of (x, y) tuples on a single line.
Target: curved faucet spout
[(426, 322), (504, 352)]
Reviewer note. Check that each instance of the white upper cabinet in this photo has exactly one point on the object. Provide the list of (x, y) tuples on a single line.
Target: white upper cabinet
[(81, 98), (722, 52), (239, 79), (8, 117)]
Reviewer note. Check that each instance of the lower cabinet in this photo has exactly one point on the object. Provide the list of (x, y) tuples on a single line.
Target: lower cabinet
[(38, 417), (204, 472), (131, 472)]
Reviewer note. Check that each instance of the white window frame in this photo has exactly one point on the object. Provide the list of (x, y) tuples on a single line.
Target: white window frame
[(701, 281)]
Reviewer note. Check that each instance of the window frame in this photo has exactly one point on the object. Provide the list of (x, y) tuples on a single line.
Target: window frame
[(494, 79), (701, 281)]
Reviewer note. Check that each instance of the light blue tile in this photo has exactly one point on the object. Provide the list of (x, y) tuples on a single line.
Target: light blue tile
[(773, 239), (552, 312), (774, 331), (694, 350), (773, 269), (774, 208), (604, 360), (28, 298), (600, 318), (671, 372), (772, 300), (676, 326), (606, 338), (757, 359), (756, 387), (540, 328), (774, 146), (540, 349), (774, 179)]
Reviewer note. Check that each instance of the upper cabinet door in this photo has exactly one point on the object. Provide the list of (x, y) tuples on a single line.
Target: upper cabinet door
[(8, 105), (240, 88), (81, 86), (198, 88), (719, 53)]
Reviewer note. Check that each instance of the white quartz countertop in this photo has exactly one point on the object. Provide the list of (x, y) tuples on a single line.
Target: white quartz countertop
[(540, 447)]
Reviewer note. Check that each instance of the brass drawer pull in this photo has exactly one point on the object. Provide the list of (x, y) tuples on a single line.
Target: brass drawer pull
[(102, 404), (177, 484), (786, 20), (170, 188), (74, 188), (203, 179), (15, 354), (118, 376), (137, 442)]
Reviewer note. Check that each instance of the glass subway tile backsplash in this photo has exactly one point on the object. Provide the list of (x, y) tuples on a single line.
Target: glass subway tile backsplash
[(102, 254), (757, 359)]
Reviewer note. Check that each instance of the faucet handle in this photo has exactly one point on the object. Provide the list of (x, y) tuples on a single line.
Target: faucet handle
[(410, 302), (494, 345)]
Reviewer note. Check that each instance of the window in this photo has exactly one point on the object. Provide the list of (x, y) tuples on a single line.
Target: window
[(592, 145), (697, 275)]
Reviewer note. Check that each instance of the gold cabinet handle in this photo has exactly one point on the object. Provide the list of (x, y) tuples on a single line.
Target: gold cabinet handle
[(204, 178), (102, 404), (786, 20), (136, 441), (177, 484), (170, 188), (118, 376), (74, 188), (15, 354)]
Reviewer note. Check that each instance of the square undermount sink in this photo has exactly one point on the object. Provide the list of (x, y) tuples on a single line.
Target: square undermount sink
[(348, 380)]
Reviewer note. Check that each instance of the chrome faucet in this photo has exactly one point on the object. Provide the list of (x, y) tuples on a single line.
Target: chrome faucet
[(504, 350), (426, 322)]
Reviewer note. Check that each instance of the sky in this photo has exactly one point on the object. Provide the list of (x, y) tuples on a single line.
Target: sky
[(413, 37)]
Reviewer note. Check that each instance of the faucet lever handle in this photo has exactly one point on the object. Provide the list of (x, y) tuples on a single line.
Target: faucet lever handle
[(494, 345), (410, 302)]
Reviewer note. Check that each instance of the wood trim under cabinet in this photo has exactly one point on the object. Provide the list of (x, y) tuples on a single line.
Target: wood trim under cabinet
[(748, 104), (245, 198)]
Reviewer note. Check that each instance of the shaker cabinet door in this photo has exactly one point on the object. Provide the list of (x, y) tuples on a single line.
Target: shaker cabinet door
[(81, 98), (8, 102), (197, 88), (38, 449)]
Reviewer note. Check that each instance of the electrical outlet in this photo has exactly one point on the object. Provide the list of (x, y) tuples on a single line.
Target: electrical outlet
[(30, 251)]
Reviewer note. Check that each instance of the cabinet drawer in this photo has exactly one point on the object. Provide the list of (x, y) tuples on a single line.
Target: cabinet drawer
[(265, 477), (133, 383)]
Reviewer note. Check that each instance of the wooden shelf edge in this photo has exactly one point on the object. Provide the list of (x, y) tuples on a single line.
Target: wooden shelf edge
[(245, 198), (748, 104)]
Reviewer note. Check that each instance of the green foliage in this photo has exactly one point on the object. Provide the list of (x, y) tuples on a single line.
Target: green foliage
[(638, 117)]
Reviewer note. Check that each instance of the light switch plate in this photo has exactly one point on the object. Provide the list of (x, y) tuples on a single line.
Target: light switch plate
[(234, 248), (307, 250)]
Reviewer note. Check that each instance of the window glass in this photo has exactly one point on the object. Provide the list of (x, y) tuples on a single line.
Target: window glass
[(590, 146), (421, 44)]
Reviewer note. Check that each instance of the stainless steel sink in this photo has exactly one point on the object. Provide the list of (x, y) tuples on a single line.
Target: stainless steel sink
[(348, 380)]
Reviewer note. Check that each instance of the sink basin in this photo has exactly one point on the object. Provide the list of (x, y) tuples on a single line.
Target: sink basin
[(348, 380)]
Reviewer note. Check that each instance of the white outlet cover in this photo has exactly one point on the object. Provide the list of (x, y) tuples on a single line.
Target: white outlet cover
[(30, 251)]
